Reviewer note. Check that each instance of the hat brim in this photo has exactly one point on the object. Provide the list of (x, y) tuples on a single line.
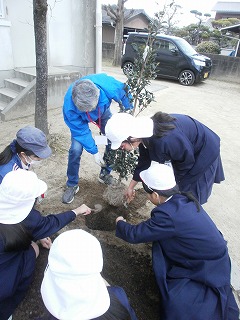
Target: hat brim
[(13, 210), (73, 296), (143, 176), (157, 179), (116, 145), (43, 153), (142, 127)]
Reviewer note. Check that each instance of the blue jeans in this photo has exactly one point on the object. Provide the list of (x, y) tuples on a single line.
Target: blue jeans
[(75, 153)]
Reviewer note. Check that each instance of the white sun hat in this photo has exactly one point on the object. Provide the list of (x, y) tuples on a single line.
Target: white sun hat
[(72, 287), (158, 176), (18, 192), (123, 125)]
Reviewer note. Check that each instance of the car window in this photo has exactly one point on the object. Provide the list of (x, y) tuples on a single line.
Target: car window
[(172, 46), (137, 40), (164, 46), (185, 47), (138, 43)]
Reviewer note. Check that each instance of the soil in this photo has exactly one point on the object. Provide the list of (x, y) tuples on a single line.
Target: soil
[(214, 103), (125, 265)]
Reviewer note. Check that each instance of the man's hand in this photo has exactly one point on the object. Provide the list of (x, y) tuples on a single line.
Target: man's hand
[(99, 160)]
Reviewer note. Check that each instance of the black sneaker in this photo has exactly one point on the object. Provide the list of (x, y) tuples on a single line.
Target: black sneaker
[(69, 193)]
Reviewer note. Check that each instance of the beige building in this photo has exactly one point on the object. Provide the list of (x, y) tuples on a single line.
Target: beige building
[(137, 21)]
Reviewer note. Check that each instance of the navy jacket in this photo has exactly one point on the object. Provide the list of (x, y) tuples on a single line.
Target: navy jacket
[(194, 151), (190, 261), (16, 268), (112, 290), (13, 164)]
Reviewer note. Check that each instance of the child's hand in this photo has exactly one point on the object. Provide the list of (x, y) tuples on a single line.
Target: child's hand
[(120, 218), (83, 209), (46, 242)]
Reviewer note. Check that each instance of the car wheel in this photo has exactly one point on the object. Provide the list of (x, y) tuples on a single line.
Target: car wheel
[(186, 78), (128, 68)]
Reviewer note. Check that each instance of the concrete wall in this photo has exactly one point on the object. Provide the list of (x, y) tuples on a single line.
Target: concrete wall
[(57, 87), (108, 50), (225, 68)]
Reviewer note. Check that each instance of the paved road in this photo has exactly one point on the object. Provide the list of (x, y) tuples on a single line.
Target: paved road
[(216, 104)]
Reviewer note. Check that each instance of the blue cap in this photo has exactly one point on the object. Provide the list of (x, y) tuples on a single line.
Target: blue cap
[(33, 139)]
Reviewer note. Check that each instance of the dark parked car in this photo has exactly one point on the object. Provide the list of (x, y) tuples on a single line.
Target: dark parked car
[(176, 57)]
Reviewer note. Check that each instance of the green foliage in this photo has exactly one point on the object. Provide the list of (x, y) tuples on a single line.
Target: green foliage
[(190, 32), (205, 35), (221, 23), (123, 162), (217, 37), (208, 47), (196, 33), (144, 71)]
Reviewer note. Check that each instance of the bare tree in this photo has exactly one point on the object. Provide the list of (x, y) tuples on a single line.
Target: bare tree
[(116, 13), (167, 17), (40, 29)]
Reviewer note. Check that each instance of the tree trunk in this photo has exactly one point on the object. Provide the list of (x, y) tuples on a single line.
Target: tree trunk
[(40, 29), (119, 34)]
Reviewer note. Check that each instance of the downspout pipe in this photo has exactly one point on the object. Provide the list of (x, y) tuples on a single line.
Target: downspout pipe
[(98, 36)]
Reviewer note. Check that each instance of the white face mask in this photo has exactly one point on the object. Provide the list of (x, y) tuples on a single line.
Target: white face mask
[(25, 166), (31, 163)]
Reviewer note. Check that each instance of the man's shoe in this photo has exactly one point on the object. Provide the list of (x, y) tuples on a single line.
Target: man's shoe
[(69, 193), (107, 179)]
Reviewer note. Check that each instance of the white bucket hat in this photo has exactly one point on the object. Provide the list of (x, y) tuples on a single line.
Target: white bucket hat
[(18, 192), (158, 176), (73, 287), (123, 125)]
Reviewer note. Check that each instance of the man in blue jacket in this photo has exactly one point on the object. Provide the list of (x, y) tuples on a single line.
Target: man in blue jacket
[(88, 100)]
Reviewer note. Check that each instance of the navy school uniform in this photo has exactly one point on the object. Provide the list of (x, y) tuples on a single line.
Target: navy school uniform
[(190, 261), (13, 164), (112, 290), (194, 151), (16, 268)]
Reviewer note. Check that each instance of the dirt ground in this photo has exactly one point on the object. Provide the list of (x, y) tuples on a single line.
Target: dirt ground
[(214, 103)]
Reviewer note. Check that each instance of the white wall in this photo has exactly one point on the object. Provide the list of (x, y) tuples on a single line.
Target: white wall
[(6, 56), (59, 33), (20, 14), (71, 34), (83, 32)]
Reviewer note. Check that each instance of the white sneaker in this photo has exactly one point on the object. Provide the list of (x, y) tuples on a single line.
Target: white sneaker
[(10, 318)]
